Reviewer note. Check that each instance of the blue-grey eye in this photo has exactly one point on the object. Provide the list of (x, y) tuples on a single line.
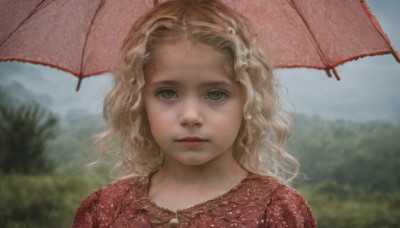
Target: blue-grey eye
[(215, 95), (167, 94)]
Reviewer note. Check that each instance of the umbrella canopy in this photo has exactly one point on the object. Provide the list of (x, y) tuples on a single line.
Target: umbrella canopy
[(84, 37)]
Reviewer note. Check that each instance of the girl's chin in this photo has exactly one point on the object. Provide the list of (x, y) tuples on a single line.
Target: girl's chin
[(191, 160)]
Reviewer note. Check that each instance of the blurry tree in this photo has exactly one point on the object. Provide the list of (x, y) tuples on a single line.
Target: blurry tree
[(73, 147), (337, 205), (24, 131), (48, 200)]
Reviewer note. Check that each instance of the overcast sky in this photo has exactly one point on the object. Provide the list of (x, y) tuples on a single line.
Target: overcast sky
[(369, 89)]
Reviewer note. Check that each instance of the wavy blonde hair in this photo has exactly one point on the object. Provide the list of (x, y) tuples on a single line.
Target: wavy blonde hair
[(259, 147)]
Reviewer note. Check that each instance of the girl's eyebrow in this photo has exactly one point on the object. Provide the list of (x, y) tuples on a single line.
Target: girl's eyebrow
[(217, 84), (221, 83), (164, 82)]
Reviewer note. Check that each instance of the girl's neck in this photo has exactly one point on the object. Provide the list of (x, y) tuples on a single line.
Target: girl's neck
[(214, 171), (200, 174), (178, 187)]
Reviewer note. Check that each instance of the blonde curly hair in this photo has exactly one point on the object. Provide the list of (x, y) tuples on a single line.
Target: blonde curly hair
[(259, 147)]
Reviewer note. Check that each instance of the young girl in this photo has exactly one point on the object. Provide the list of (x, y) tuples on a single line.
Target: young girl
[(199, 128)]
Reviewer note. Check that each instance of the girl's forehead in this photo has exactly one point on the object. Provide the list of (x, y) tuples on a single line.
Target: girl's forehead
[(184, 47), (183, 60), (190, 52)]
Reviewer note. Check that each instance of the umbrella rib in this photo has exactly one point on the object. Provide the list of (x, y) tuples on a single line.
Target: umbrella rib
[(379, 29), (102, 2), (315, 42), (25, 20)]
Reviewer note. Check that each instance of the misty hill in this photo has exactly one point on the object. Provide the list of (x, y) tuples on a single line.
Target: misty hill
[(18, 94), (365, 155)]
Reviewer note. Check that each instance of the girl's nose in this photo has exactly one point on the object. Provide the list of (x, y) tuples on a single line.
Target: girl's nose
[(190, 115)]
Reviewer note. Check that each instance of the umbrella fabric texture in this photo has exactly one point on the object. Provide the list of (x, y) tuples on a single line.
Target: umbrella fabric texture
[(84, 37)]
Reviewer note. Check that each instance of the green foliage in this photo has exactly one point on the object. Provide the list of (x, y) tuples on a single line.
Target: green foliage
[(24, 131), (43, 201), (51, 200), (353, 170), (364, 155), (337, 205), (72, 146)]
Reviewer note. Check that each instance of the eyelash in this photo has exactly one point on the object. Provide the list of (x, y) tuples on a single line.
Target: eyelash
[(219, 92), (160, 93), (173, 95)]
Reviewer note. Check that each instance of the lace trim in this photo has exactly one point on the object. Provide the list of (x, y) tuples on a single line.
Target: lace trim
[(161, 215)]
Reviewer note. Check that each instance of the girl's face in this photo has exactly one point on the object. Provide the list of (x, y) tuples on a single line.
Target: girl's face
[(193, 104)]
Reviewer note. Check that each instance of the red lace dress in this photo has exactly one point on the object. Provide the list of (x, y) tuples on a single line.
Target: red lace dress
[(258, 201)]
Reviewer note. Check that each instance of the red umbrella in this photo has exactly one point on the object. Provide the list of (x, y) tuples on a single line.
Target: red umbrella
[(83, 37)]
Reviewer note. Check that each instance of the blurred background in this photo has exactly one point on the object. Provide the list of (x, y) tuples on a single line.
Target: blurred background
[(346, 137)]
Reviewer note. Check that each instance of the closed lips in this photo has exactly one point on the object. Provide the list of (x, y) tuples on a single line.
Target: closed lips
[(192, 139)]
